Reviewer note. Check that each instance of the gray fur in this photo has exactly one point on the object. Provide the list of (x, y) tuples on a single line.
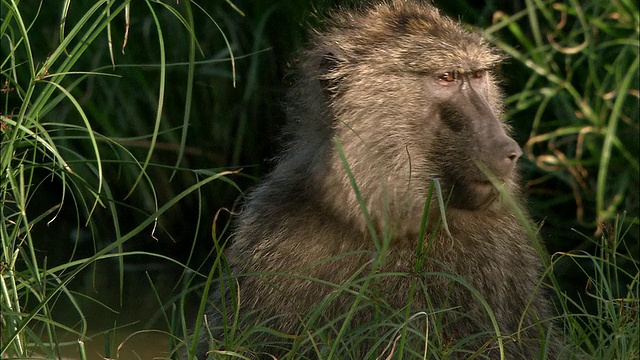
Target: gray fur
[(373, 80)]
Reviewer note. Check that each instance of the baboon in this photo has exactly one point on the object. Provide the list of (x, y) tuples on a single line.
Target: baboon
[(388, 98)]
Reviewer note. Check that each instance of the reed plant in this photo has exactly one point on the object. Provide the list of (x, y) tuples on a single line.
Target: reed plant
[(126, 129)]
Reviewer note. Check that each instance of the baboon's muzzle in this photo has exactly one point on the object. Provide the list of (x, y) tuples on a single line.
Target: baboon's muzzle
[(469, 115)]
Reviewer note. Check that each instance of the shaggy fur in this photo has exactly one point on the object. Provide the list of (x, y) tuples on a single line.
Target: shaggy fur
[(410, 96)]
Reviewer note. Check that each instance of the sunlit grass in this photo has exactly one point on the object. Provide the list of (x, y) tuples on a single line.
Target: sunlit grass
[(582, 88), (43, 153), (80, 135)]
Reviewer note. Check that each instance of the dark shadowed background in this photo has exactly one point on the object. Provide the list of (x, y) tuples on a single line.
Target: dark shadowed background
[(203, 113)]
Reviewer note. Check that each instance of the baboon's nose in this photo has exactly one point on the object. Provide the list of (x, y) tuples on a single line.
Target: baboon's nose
[(508, 155)]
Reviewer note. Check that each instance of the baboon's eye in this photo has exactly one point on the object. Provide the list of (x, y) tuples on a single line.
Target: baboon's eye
[(449, 76), (478, 74)]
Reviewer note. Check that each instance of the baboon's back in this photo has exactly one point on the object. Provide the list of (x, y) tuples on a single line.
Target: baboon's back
[(388, 100)]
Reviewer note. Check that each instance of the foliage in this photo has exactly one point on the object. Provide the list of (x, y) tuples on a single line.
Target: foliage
[(580, 66), (121, 123), (604, 319), (60, 172), (608, 331)]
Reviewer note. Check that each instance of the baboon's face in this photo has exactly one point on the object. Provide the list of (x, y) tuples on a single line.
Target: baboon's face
[(470, 145), (414, 99)]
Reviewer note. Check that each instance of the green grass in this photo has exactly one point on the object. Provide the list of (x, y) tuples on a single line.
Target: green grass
[(57, 168), (604, 325), (581, 66), (122, 154), (605, 322)]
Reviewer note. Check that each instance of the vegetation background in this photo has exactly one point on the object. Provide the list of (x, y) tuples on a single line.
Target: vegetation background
[(130, 131)]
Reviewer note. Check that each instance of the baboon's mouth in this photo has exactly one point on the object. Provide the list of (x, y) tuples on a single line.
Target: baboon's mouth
[(486, 182), (482, 183), (486, 188), (482, 188), (483, 192)]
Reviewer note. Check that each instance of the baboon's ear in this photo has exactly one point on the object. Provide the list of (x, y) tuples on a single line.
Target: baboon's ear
[(327, 69), (328, 63)]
